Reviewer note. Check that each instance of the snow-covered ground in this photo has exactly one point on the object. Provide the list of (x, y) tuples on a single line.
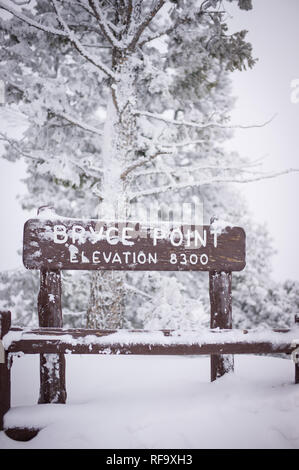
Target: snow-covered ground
[(160, 402)]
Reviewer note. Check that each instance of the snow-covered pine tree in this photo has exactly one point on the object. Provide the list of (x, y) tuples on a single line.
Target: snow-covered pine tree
[(125, 101)]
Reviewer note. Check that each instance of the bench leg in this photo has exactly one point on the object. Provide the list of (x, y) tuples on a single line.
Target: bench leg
[(221, 317), (52, 378), (4, 390), (52, 366), (5, 322)]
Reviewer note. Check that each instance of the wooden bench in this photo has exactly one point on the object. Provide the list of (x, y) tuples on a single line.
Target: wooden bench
[(53, 243)]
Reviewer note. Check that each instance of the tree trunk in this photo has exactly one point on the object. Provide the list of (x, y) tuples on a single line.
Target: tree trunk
[(107, 300), (107, 291)]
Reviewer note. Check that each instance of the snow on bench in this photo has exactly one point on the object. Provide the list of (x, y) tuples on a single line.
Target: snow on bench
[(202, 341)]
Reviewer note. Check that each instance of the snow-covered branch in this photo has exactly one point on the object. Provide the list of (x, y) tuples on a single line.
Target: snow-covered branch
[(165, 32), (261, 177), (138, 291), (86, 169), (129, 15), (162, 149), (159, 4), (178, 186), (104, 26), (179, 21), (16, 146), (79, 46), (195, 125), (193, 168), (66, 32), (21, 2), (141, 162), (185, 143), (30, 21), (96, 169), (61, 114), (78, 123)]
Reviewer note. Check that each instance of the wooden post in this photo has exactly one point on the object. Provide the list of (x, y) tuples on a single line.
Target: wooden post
[(297, 363), (221, 317), (5, 322), (52, 366)]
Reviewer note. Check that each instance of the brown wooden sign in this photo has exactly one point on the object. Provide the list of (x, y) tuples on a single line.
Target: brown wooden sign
[(91, 244)]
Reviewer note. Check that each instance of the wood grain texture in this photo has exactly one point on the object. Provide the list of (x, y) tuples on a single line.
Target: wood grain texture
[(220, 286), (52, 367), (86, 341), (31, 346)]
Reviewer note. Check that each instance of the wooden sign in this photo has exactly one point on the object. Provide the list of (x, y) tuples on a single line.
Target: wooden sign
[(61, 243)]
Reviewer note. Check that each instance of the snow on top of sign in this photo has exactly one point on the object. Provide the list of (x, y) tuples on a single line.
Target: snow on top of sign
[(52, 216), (219, 225), (47, 213)]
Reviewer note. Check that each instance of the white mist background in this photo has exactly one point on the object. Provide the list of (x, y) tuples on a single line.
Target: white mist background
[(261, 92)]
